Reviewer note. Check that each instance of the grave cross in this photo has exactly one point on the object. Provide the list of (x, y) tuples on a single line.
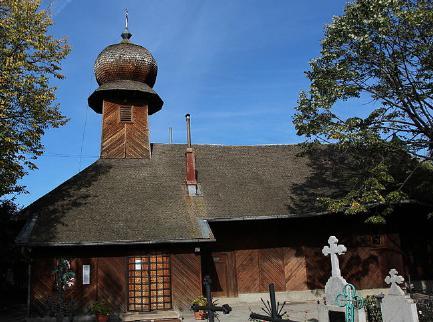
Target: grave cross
[(210, 308), (350, 301), (394, 279), (273, 309), (333, 250)]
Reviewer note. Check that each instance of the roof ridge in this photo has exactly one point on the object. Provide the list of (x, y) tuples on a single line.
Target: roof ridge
[(229, 145)]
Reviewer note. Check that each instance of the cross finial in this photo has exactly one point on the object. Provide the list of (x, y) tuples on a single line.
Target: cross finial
[(394, 279), (333, 250), (126, 18), (126, 34)]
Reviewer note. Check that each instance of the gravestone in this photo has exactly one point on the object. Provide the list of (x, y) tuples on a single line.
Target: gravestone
[(330, 311), (397, 306), (336, 282)]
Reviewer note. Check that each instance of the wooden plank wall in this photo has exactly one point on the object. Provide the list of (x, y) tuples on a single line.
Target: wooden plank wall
[(112, 282), (186, 279), (125, 139), (257, 268), (295, 269), (42, 285), (247, 270), (85, 294), (108, 282), (305, 267), (363, 265)]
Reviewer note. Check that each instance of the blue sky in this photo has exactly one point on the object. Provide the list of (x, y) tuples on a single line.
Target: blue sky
[(236, 66)]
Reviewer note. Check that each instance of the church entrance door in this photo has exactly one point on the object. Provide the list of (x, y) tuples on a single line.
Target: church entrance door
[(149, 283)]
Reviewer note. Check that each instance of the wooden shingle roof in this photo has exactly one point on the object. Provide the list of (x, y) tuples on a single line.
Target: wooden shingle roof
[(145, 201)]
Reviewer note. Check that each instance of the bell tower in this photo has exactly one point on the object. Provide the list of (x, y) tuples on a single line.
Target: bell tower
[(125, 73)]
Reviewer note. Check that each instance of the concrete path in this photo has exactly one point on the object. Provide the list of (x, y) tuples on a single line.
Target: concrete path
[(296, 311)]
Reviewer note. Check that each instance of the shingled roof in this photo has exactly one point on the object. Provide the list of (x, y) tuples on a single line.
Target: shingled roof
[(146, 201)]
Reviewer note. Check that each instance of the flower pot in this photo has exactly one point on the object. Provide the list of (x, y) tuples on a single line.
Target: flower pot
[(200, 315), (101, 317)]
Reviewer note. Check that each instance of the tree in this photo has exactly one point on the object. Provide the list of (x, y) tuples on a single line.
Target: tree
[(381, 50), (29, 58), (12, 262), (64, 279)]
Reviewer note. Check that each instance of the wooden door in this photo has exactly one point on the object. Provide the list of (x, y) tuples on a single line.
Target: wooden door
[(219, 280), (223, 274), (149, 281)]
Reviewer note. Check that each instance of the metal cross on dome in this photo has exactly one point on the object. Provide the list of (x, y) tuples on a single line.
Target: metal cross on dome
[(333, 250), (126, 18), (394, 279), (126, 34), (350, 301)]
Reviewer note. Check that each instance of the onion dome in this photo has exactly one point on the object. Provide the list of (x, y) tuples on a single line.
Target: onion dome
[(127, 70), (125, 61)]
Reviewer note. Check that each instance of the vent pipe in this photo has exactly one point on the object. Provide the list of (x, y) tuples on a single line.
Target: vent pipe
[(170, 135), (188, 130)]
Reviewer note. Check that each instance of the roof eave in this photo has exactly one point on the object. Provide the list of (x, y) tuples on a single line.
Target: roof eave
[(116, 242)]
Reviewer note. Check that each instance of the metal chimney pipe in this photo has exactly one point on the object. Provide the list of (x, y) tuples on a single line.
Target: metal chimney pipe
[(170, 135), (188, 130)]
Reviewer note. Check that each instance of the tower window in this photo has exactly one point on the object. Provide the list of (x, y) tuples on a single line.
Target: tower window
[(125, 114)]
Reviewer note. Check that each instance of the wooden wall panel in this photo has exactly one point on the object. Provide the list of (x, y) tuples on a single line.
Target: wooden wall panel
[(247, 270), (271, 263), (84, 295), (125, 139), (42, 285), (295, 270), (318, 268), (112, 282), (186, 279), (137, 135), (113, 132), (283, 266), (360, 266)]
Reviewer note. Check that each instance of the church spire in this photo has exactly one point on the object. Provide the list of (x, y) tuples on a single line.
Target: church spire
[(126, 73), (126, 34)]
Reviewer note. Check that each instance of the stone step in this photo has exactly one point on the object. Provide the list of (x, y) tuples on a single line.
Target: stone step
[(161, 316)]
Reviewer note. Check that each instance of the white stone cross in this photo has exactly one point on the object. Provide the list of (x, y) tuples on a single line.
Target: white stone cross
[(394, 279), (333, 250)]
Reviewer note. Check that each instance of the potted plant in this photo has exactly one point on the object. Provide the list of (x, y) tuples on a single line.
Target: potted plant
[(199, 301), (101, 310)]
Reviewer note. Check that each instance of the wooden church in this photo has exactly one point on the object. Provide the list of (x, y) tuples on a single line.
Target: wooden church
[(146, 222)]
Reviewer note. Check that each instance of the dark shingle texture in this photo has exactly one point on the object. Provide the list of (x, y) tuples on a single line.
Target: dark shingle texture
[(146, 200)]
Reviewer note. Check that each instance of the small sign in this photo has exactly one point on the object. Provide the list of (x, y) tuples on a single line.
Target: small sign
[(138, 264), (86, 274)]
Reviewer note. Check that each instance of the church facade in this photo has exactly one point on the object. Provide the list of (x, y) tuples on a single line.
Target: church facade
[(146, 222)]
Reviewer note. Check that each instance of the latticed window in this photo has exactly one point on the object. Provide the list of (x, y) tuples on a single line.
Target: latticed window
[(149, 283), (125, 114)]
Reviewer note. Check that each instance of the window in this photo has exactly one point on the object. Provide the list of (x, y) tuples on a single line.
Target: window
[(149, 280), (125, 114)]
